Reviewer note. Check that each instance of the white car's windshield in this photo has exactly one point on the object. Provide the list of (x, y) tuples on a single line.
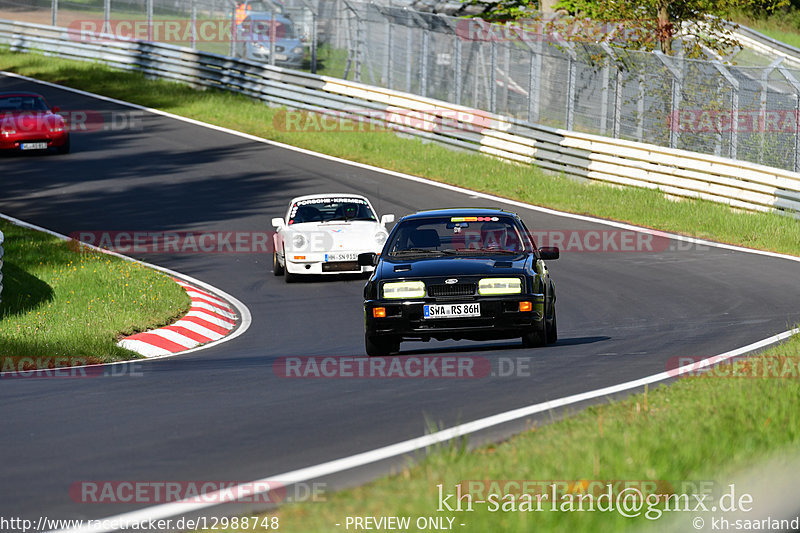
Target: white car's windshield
[(330, 209), (457, 235)]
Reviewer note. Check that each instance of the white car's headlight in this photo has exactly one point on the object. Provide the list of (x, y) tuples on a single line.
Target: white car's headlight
[(297, 50), (496, 286), (380, 238), (298, 240), (403, 289)]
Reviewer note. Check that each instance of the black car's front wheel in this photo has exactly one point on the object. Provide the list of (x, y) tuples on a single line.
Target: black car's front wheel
[(380, 346), (552, 329)]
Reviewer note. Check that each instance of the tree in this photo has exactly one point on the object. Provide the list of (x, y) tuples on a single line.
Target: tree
[(700, 24)]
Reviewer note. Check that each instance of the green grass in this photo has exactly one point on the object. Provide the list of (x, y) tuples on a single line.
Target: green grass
[(784, 27), (697, 429), (59, 301), (639, 206)]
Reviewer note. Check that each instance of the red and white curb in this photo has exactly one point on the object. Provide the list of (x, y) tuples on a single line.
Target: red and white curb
[(209, 319)]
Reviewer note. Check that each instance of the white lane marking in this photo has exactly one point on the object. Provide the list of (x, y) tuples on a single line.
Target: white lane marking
[(469, 193), (167, 510), (244, 312), (463, 429)]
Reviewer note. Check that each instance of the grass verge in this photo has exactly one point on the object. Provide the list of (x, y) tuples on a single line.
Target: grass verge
[(525, 183), (694, 430), (677, 439), (71, 306)]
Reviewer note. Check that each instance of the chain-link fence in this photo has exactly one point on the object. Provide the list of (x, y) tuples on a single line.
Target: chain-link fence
[(527, 71)]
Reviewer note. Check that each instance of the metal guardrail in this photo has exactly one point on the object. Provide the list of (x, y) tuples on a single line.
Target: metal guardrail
[(675, 172)]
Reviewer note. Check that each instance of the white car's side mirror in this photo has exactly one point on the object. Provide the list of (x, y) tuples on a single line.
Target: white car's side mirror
[(387, 219), (277, 222)]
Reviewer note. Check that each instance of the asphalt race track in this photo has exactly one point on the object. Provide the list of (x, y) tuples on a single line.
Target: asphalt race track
[(224, 414)]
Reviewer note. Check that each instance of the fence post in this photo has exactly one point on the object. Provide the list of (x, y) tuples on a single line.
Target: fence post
[(54, 12), (640, 109), (734, 136), (492, 77), (149, 8), (232, 48), (389, 46), (796, 86), (106, 16), (674, 131), (763, 100), (273, 26), (457, 69), (194, 23), (423, 90)]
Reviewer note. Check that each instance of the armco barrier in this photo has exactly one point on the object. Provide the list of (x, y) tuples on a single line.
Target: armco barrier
[(675, 172)]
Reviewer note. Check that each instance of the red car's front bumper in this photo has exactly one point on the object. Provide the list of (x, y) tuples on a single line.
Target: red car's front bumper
[(21, 141)]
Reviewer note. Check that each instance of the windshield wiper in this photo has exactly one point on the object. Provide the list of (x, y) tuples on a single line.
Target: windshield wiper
[(484, 251), (418, 251)]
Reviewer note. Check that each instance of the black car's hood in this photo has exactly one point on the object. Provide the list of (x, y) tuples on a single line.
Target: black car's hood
[(496, 265)]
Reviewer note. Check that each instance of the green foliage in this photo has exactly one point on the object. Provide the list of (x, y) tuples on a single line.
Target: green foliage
[(701, 24)]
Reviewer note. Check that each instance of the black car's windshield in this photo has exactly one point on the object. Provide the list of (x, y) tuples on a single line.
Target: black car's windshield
[(457, 235), (21, 103), (330, 209)]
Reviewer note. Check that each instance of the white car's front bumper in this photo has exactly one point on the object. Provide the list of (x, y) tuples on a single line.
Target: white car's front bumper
[(315, 263)]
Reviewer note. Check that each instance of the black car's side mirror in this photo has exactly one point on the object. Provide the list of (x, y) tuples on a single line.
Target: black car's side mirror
[(367, 259), (548, 252)]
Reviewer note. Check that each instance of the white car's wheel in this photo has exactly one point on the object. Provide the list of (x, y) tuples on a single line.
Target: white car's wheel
[(277, 268)]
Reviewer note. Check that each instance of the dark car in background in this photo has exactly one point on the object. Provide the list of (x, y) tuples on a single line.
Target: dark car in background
[(459, 274), (28, 123)]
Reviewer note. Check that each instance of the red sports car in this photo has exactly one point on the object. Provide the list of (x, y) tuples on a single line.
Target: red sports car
[(28, 123)]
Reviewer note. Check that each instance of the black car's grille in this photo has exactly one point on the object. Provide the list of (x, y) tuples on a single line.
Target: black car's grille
[(456, 289)]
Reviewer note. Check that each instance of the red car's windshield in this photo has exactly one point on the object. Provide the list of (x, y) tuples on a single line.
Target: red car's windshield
[(10, 104)]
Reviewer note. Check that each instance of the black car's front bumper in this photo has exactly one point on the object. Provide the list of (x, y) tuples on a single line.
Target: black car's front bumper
[(500, 318)]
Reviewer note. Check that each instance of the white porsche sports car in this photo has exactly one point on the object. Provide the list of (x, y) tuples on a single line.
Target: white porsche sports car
[(324, 233)]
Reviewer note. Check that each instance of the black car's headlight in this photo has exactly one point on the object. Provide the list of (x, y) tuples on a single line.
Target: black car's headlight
[(403, 289), (499, 286)]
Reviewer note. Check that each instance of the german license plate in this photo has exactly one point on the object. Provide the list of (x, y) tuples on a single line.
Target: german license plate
[(341, 256), (34, 146), (281, 57), (451, 310)]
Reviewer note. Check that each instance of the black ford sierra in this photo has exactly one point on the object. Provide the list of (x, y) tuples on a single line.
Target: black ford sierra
[(459, 274)]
